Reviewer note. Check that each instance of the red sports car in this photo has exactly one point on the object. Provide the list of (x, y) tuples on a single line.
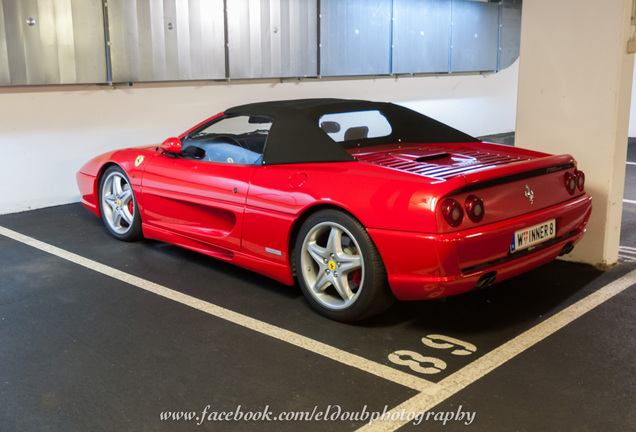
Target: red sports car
[(361, 202)]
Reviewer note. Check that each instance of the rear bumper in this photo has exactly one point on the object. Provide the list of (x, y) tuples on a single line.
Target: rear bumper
[(425, 266)]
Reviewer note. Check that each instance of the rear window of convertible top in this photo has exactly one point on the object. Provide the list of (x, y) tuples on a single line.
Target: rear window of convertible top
[(355, 125)]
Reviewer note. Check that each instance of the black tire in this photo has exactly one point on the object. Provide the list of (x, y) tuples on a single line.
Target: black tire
[(118, 205), (339, 269)]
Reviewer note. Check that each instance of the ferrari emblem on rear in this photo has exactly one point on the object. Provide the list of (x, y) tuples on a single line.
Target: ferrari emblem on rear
[(529, 194), (138, 161)]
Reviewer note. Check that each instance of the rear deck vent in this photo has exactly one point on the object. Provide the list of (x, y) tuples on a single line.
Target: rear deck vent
[(432, 164), (431, 157)]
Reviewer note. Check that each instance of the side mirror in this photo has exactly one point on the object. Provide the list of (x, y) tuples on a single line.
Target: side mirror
[(171, 145)]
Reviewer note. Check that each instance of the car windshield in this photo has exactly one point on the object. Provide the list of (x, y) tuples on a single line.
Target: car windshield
[(236, 126), (232, 139)]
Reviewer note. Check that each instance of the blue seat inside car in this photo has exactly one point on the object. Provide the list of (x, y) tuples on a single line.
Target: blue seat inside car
[(218, 150), (229, 153)]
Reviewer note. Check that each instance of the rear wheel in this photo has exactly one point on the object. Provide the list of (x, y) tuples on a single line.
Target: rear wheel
[(339, 268), (118, 205)]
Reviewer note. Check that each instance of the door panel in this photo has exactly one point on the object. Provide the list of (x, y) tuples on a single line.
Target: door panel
[(201, 200)]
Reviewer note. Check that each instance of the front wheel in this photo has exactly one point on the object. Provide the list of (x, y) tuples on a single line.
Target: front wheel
[(118, 205), (339, 268)]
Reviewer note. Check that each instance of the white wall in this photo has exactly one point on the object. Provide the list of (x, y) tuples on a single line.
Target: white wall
[(47, 133)]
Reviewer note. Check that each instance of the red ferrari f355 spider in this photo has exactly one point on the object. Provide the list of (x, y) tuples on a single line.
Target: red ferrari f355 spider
[(361, 202)]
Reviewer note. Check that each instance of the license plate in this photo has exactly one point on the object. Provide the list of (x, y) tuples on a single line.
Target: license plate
[(533, 235)]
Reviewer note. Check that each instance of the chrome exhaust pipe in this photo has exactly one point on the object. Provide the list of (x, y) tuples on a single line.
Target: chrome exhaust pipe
[(486, 280), (566, 249)]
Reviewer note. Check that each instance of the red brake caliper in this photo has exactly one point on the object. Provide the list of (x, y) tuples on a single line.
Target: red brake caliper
[(356, 276)]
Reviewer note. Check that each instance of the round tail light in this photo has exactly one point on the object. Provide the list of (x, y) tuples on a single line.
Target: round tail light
[(475, 208), (452, 212), (580, 180), (570, 182)]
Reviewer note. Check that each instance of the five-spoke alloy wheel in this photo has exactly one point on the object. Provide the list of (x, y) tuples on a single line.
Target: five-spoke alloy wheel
[(118, 205), (339, 268)]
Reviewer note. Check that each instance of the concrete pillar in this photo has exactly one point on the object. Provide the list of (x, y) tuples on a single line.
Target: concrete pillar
[(575, 86)]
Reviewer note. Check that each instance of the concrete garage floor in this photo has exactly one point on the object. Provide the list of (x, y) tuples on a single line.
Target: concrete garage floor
[(100, 335)]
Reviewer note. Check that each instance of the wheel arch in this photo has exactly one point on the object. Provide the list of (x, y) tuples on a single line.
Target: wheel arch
[(100, 175), (298, 223), (104, 167), (376, 295)]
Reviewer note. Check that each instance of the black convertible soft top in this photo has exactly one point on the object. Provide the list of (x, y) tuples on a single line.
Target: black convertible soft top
[(296, 136)]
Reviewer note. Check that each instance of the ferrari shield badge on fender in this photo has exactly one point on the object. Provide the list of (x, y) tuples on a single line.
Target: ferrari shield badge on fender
[(138, 161)]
